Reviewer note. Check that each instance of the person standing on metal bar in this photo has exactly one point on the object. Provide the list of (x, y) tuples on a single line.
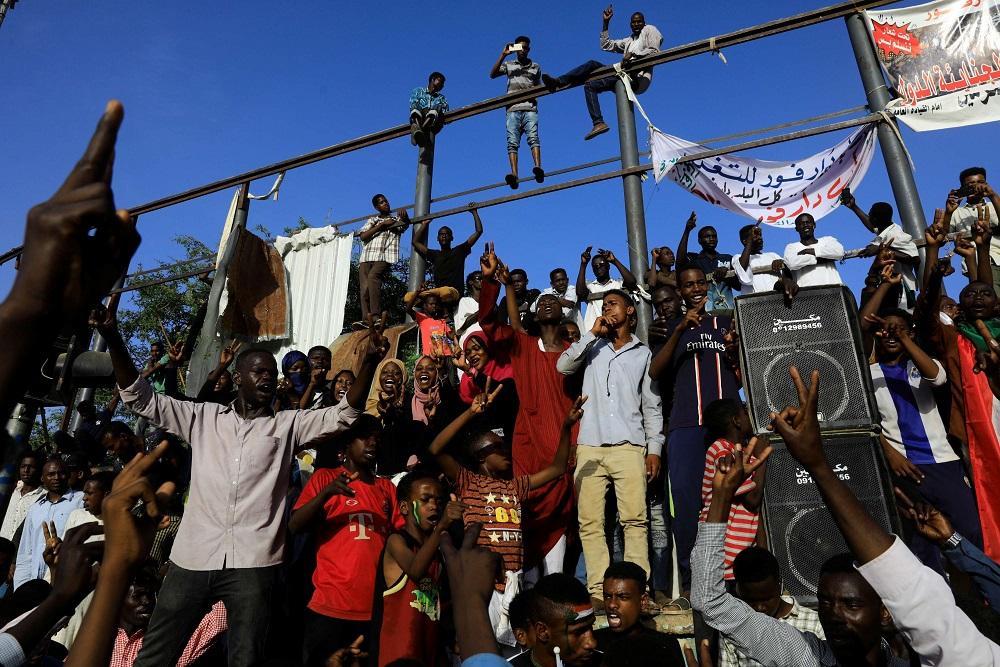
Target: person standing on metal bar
[(379, 249), (522, 118), (427, 109), (644, 40)]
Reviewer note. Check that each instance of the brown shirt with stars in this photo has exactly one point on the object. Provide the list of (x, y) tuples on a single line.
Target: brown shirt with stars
[(496, 503)]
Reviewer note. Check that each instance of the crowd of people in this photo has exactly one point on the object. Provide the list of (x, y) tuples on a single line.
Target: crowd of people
[(537, 469)]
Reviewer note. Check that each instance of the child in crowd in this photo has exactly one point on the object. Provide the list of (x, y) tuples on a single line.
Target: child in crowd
[(436, 335), (727, 425), (407, 613), (427, 109), (493, 497), (352, 512)]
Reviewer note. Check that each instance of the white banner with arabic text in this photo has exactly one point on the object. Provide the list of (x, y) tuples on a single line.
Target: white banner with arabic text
[(942, 59), (774, 193)]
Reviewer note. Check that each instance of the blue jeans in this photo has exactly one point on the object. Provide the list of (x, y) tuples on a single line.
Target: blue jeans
[(591, 89), (519, 123), (187, 595)]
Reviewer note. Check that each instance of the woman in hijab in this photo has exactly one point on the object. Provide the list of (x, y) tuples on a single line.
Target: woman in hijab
[(479, 366), (295, 368)]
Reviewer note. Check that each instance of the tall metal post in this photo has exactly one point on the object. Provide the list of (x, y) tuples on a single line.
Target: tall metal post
[(97, 344), (635, 216), (421, 206), (904, 188)]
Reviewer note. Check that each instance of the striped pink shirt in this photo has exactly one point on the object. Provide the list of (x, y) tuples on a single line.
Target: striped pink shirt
[(741, 530)]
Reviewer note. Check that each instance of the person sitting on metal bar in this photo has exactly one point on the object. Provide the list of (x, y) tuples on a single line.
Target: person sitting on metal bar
[(715, 264), (427, 109), (813, 261), (644, 40), (448, 262), (522, 118), (891, 237), (379, 250), (593, 292)]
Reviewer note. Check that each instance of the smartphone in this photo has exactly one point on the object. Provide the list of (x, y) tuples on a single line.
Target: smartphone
[(517, 47)]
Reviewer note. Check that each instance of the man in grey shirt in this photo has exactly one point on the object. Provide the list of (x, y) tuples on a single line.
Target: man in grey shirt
[(232, 538), (522, 118), (620, 439)]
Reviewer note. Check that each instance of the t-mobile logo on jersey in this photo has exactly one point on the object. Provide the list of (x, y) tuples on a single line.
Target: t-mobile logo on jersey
[(361, 523)]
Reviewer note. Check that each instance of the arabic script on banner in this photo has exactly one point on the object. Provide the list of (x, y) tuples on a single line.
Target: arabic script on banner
[(942, 60), (774, 193)]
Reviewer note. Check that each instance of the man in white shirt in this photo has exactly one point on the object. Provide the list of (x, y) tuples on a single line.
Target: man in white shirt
[(813, 261), (890, 235), (757, 271), (566, 293), (467, 311), (644, 40), (593, 292), (962, 218), (29, 489)]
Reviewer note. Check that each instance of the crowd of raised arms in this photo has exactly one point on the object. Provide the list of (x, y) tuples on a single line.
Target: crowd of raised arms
[(541, 487)]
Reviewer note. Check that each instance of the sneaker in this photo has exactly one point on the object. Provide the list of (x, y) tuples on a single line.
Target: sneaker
[(511, 180), (359, 326), (418, 137), (599, 128), (539, 174), (551, 82)]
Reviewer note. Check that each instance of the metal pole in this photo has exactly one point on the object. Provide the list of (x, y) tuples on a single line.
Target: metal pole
[(635, 215), (897, 164), (421, 206), (97, 344)]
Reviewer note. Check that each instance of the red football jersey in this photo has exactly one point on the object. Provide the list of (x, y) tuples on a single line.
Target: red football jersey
[(349, 543)]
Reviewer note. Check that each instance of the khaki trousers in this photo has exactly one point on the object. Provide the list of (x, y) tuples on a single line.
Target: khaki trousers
[(596, 468)]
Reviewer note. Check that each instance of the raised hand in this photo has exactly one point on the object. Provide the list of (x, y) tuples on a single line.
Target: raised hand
[(951, 204), (52, 542), (229, 353), (488, 263), (890, 275), (378, 344), (575, 413), (458, 357), (585, 255), (930, 523), (454, 512), (733, 469), (472, 570), (982, 231), (74, 576), (105, 318), (847, 198), (175, 351), (799, 426), (76, 245), (965, 248), (609, 12), (432, 403), (502, 273), (692, 222), (693, 317), (609, 255), (602, 327), (128, 537), (481, 402)]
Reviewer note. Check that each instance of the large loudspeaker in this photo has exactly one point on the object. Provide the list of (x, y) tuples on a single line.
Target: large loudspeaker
[(801, 532), (818, 332)]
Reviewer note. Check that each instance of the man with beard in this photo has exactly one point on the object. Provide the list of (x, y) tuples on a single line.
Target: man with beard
[(232, 539), (140, 600), (624, 597)]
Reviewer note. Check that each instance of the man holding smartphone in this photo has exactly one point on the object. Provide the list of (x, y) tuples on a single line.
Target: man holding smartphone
[(962, 218), (522, 118)]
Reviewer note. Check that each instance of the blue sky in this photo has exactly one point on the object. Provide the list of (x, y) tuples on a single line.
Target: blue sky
[(213, 89)]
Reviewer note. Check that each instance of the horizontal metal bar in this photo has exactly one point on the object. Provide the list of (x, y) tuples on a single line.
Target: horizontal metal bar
[(161, 281), (165, 267)]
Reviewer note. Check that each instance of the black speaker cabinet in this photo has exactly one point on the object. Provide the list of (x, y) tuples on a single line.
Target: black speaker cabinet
[(819, 331), (801, 532)]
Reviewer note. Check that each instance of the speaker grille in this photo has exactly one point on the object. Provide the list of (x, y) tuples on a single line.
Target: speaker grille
[(800, 530), (819, 332)]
